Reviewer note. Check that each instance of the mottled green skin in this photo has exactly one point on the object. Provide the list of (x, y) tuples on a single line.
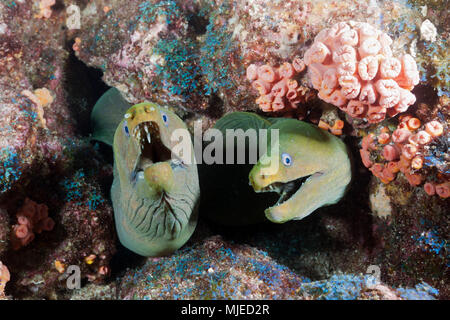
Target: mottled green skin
[(154, 217), (156, 213), (314, 153)]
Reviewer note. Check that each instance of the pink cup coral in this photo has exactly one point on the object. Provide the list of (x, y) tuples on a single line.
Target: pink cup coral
[(405, 150), (352, 67), (31, 218)]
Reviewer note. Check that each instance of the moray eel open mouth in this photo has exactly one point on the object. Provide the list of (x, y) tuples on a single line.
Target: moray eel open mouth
[(285, 190), (151, 148)]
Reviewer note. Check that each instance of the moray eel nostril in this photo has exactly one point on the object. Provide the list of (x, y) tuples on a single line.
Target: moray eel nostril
[(155, 194)]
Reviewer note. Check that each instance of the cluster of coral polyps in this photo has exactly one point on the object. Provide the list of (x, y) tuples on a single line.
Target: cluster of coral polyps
[(4, 278), (405, 150), (45, 8), (352, 67), (31, 218), (277, 88)]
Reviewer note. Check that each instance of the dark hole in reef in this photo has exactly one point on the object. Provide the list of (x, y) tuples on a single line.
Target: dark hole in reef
[(124, 259), (84, 87), (339, 228), (215, 109), (58, 6), (197, 23)]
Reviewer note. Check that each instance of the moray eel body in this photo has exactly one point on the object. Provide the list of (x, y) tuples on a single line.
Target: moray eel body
[(312, 167), (155, 194)]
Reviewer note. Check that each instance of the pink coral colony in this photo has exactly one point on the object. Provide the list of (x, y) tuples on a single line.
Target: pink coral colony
[(403, 151), (352, 67), (277, 87), (31, 218)]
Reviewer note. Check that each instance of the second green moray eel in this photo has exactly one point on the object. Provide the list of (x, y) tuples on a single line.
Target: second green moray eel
[(314, 167), (155, 194)]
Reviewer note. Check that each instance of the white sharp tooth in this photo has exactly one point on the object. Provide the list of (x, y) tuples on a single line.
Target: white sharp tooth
[(148, 138), (146, 129)]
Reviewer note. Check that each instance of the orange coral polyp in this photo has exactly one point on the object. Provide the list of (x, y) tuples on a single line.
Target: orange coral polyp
[(344, 54), (390, 67), (337, 98), (365, 157), (409, 151), (261, 86), (368, 68), (338, 125), (413, 123), (368, 94), (390, 153), (390, 101), (267, 73), (413, 179), (423, 137), (400, 135), (252, 72), (367, 142), (417, 163), (280, 88), (319, 52), (370, 47), (384, 138), (443, 190), (349, 37), (387, 87), (278, 103), (409, 76), (350, 86), (434, 128), (21, 231), (292, 84), (298, 64), (376, 114), (429, 188), (286, 70), (393, 166)]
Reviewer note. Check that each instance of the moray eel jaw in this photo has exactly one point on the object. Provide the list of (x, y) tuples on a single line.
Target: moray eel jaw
[(285, 208)]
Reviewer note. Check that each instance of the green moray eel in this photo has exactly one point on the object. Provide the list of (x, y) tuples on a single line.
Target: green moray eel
[(154, 193), (313, 166)]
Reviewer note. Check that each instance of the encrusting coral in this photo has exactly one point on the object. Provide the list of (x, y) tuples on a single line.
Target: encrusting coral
[(31, 218), (352, 67)]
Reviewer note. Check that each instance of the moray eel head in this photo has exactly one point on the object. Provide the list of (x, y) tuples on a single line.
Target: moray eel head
[(308, 167), (155, 193)]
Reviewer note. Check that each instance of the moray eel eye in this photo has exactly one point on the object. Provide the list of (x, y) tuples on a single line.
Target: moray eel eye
[(125, 129), (165, 119), (286, 159)]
